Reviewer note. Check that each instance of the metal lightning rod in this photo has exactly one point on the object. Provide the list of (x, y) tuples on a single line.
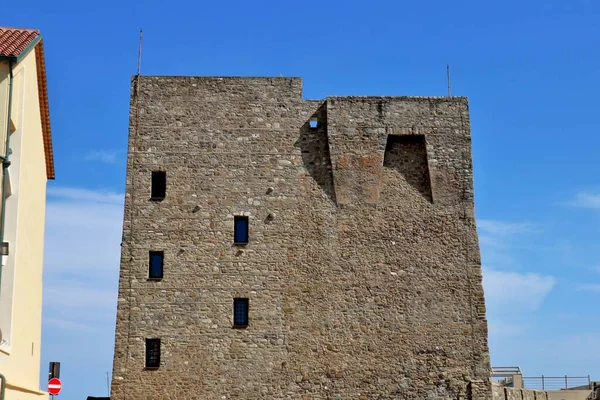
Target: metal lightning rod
[(448, 77), (140, 54)]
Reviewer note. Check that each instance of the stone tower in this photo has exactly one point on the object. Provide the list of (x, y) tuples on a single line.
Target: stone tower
[(340, 231)]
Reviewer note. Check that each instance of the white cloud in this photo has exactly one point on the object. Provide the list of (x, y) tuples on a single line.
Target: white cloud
[(81, 272), (83, 239), (489, 241), (500, 241), (593, 287), (550, 353), (80, 296), (586, 200), (108, 157), (499, 328), (67, 325), (83, 232), (81, 258), (497, 235), (85, 196), (503, 228), (511, 299), (520, 291)]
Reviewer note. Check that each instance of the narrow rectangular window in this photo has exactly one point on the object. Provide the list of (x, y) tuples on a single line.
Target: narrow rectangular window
[(155, 267), (159, 185), (152, 353), (240, 234), (240, 313)]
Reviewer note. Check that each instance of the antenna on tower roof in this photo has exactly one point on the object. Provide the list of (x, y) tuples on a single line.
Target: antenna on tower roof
[(140, 54), (448, 77)]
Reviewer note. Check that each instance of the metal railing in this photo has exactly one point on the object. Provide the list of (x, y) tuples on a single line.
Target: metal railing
[(505, 372), (504, 375), (557, 382)]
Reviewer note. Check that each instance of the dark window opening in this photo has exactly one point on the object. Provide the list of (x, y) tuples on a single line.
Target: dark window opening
[(155, 267), (313, 123), (159, 185), (152, 353), (240, 313), (240, 234)]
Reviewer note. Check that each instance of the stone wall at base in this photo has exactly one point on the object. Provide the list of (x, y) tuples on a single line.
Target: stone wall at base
[(506, 393), (362, 268)]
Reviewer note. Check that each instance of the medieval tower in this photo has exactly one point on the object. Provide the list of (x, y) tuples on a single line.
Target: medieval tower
[(281, 248)]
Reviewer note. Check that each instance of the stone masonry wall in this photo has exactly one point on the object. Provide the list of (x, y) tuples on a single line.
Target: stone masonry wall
[(362, 273), (508, 393)]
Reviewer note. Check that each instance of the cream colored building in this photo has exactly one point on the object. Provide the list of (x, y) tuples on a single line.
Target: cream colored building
[(26, 163)]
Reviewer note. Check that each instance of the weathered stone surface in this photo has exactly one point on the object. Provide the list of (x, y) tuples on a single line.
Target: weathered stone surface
[(508, 393), (513, 394), (362, 270), (528, 394), (541, 395), (498, 392)]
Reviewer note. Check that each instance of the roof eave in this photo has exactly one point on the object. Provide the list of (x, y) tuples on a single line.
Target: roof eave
[(37, 44), (44, 110), (23, 53)]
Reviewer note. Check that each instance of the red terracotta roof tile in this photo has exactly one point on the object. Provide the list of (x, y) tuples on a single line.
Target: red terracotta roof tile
[(44, 110), (14, 40)]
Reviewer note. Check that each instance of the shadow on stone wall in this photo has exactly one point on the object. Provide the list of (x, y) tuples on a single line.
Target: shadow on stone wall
[(407, 154), (314, 146)]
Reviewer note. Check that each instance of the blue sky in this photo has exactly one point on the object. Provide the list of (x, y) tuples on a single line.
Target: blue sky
[(531, 71)]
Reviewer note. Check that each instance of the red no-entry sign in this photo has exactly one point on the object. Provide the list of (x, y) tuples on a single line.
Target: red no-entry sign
[(54, 386)]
